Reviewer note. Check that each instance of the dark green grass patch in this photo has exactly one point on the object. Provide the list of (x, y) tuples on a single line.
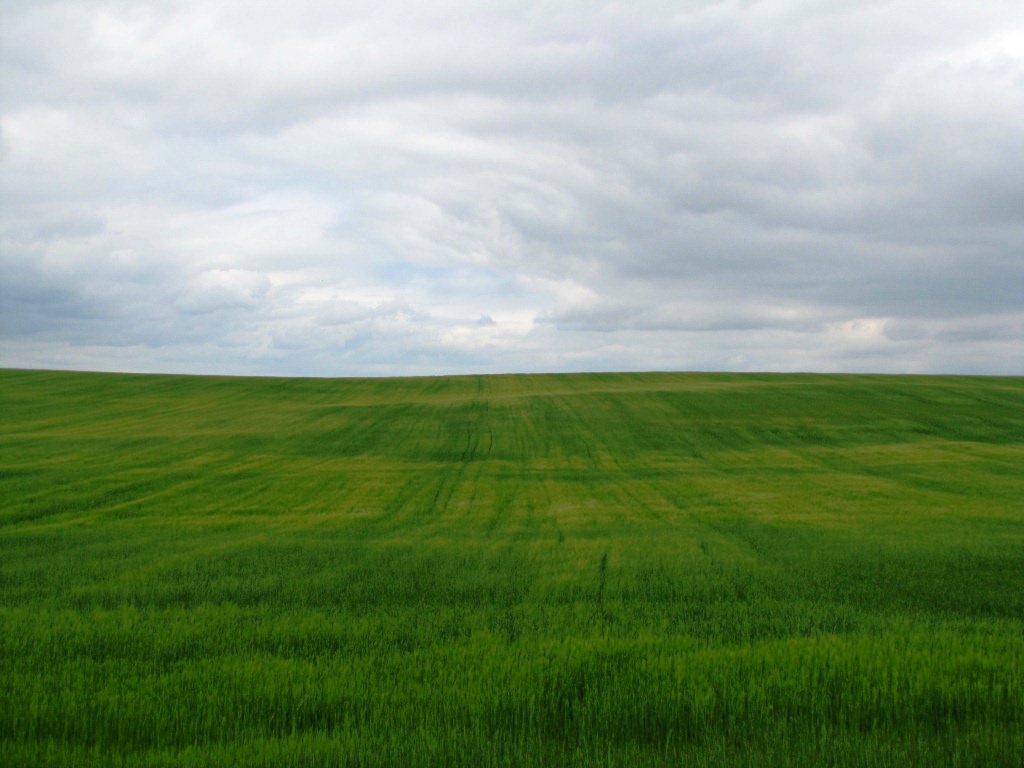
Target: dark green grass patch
[(606, 569)]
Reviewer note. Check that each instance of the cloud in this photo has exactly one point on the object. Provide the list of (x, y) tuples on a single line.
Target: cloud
[(387, 188)]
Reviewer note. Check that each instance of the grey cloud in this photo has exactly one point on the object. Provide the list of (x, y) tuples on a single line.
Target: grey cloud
[(354, 188), (986, 328)]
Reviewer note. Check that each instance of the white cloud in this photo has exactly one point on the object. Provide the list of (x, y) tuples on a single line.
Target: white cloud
[(214, 290)]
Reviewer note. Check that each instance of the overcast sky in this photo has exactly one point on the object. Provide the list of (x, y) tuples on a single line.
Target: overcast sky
[(407, 187)]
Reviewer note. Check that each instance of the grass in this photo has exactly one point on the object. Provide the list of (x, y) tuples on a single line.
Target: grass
[(605, 569)]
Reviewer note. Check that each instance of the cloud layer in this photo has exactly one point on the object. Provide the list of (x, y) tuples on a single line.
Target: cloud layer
[(320, 188)]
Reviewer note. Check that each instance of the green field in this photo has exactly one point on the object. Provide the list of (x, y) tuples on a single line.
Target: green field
[(605, 569)]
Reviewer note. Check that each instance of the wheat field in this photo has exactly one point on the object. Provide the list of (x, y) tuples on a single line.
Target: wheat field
[(522, 570)]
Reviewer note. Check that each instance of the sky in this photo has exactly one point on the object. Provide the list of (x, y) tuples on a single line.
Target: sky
[(399, 187)]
